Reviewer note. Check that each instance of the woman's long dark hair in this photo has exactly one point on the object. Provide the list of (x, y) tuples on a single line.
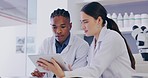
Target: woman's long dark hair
[(95, 10)]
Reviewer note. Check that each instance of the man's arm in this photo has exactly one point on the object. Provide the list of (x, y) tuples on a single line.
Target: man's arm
[(81, 56)]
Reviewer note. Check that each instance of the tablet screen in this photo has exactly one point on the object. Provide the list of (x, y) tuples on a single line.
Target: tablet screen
[(57, 57)]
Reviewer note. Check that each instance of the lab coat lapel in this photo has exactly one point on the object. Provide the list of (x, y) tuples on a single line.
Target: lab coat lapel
[(53, 51), (90, 53), (66, 49), (100, 39)]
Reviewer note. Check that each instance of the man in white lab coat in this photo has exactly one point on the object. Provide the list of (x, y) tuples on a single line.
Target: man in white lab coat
[(73, 49)]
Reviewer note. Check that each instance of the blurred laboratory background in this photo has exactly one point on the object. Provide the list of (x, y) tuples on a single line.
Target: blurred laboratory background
[(24, 24)]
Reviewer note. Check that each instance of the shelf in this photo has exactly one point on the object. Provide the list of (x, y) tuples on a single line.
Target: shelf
[(126, 30), (140, 75), (109, 2), (74, 8)]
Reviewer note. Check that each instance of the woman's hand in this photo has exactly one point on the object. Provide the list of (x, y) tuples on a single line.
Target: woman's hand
[(69, 66), (51, 66)]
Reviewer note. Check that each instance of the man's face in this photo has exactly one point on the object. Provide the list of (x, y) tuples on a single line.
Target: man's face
[(61, 28)]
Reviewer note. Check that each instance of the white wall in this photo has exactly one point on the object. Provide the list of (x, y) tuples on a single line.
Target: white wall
[(43, 28), (44, 9), (18, 64), (11, 63), (74, 9)]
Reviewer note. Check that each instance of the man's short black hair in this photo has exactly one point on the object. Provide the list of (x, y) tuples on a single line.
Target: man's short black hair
[(60, 12)]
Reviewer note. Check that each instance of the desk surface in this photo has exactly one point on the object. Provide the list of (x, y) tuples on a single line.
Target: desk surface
[(140, 75), (136, 75), (17, 77)]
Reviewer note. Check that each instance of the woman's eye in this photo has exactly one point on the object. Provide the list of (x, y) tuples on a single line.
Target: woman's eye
[(85, 21)]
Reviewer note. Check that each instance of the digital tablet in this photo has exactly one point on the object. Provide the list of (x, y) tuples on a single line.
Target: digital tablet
[(57, 57)]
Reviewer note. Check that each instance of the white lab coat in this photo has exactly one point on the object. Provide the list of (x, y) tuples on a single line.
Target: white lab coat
[(109, 59), (75, 53)]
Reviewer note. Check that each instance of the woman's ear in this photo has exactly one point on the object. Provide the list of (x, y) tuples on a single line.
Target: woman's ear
[(99, 20)]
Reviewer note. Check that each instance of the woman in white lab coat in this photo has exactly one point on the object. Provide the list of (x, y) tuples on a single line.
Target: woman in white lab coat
[(109, 54)]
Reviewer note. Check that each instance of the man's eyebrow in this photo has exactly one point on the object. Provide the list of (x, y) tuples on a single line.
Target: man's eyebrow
[(63, 24), (55, 25), (52, 25)]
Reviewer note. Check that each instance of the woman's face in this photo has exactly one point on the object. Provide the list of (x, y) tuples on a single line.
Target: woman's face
[(90, 26)]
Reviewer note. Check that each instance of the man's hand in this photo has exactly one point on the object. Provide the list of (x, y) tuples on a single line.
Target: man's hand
[(36, 73)]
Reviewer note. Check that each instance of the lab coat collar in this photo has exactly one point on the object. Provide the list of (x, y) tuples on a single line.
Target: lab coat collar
[(100, 39), (71, 40), (65, 50), (102, 34)]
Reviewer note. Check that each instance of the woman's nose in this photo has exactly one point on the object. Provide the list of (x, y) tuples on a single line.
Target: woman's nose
[(83, 26)]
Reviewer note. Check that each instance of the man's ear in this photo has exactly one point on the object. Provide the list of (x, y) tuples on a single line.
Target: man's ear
[(70, 26)]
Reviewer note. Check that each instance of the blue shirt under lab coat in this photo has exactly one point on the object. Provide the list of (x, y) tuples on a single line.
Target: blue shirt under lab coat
[(60, 47)]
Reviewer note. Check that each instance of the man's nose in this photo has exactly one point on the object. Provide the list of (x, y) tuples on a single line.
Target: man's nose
[(59, 30)]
